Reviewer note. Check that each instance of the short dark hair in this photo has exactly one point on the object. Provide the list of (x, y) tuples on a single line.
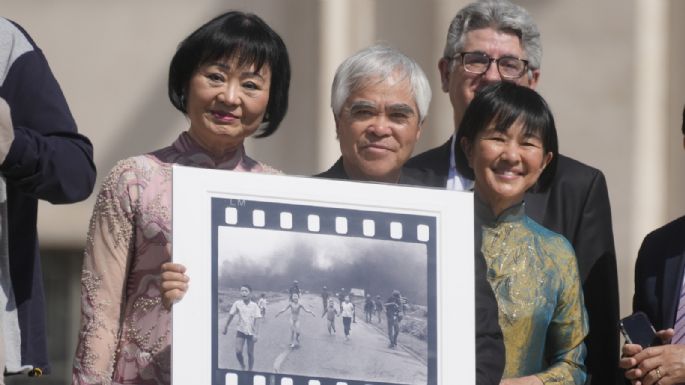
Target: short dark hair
[(247, 287), (502, 104), (234, 33)]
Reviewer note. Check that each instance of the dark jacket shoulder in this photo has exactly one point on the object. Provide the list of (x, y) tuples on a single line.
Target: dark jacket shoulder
[(337, 171), (431, 168), (574, 173), (668, 239), (434, 158), (409, 177)]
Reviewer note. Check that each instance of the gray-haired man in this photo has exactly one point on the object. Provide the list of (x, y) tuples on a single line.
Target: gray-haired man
[(380, 98), (495, 40)]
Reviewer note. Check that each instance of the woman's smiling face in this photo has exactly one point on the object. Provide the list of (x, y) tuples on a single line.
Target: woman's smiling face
[(506, 164), (226, 103)]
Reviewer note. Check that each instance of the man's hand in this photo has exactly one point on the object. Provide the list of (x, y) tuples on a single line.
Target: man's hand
[(629, 363), (174, 283), (6, 130), (664, 364), (660, 364)]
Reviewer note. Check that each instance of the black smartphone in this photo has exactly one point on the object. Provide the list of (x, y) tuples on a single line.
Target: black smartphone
[(637, 329)]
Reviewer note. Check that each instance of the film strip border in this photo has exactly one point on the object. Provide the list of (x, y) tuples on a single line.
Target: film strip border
[(324, 220), (244, 378), (321, 220)]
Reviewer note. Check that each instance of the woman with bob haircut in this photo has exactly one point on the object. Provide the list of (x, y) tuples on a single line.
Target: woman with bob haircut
[(230, 78), (509, 142)]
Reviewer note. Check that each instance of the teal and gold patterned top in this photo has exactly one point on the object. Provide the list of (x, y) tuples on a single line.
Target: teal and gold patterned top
[(534, 274)]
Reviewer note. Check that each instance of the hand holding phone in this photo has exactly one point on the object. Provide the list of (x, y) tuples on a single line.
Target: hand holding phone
[(637, 329)]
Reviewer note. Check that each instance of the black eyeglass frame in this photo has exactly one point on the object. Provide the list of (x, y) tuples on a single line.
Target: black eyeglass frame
[(490, 60)]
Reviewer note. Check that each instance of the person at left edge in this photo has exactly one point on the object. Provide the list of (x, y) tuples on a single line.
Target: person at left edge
[(230, 78), (660, 294), (42, 156)]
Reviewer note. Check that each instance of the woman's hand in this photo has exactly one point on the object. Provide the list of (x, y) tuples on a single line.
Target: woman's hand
[(174, 283), (527, 380)]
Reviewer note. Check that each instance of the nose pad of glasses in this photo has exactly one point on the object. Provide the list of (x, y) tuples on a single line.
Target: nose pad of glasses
[(492, 73)]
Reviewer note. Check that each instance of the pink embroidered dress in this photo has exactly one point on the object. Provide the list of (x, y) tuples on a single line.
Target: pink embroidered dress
[(125, 333)]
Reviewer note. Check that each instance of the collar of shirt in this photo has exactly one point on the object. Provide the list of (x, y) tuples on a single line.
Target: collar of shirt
[(456, 181)]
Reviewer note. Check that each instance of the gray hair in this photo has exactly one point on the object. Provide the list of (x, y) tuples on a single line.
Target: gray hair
[(379, 62), (500, 15)]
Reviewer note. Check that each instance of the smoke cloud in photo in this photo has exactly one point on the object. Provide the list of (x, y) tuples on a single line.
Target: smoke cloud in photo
[(269, 260)]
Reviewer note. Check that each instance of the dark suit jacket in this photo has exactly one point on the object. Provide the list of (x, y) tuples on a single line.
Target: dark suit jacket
[(659, 273), (489, 342), (576, 205), (337, 171)]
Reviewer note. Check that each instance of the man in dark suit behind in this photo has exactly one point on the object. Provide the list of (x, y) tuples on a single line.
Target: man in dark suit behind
[(485, 40), (658, 289), (380, 98)]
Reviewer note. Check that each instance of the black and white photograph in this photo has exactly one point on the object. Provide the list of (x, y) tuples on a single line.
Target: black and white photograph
[(321, 282), (322, 305)]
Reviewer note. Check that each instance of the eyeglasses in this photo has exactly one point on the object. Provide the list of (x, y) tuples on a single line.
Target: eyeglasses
[(509, 67)]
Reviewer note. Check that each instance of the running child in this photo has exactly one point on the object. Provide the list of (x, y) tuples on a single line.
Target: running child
[(347, 315), (330, 313), (246, 334), (262, 304), (295, 306)]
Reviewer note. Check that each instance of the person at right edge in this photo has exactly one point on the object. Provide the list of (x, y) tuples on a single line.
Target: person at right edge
[(660, 294), (483, 39)]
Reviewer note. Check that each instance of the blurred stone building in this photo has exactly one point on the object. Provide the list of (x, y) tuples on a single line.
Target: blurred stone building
[(612, 72)]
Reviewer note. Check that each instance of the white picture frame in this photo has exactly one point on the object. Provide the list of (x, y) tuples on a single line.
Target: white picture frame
[(230, 227)]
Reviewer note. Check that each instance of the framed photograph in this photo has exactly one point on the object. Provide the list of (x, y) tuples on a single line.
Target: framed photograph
[(298, 280)]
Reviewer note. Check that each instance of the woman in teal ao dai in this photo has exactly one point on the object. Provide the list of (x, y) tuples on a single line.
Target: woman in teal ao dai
[(508, 140)]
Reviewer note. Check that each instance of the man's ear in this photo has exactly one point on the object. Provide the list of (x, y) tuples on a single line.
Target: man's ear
[(418, 132), (337, 127), (468, 150), (444, 68), (533, 78)]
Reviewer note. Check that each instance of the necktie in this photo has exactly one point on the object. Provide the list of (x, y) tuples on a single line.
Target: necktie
[(679, 326)]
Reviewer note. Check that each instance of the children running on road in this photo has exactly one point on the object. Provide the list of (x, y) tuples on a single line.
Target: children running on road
[(347, 315), (248, 327), (295, 306), (262, 304), (330, 313)]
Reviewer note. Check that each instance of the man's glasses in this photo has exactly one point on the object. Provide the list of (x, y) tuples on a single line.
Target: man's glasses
[(509, 67)]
